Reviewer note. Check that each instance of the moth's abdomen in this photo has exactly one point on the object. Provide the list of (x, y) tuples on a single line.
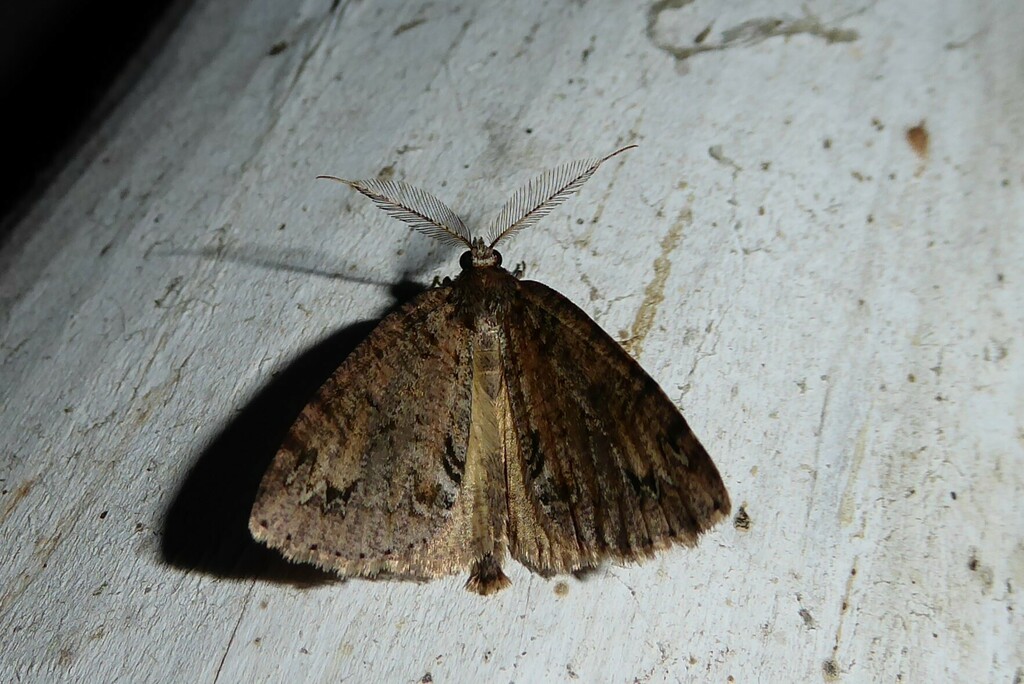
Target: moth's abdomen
[(485, 465)]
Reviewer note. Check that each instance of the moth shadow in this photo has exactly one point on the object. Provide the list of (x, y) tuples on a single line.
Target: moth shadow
[(206, 527)]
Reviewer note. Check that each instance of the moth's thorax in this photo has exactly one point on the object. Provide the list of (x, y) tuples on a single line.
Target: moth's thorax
[(483, 293)]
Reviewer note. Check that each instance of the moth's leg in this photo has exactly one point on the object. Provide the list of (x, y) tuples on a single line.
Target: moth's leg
[(519, 271), (486, 576), (440, 282)]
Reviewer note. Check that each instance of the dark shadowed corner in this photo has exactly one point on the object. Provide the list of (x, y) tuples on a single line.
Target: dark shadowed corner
[(65, 67), (206, 526)]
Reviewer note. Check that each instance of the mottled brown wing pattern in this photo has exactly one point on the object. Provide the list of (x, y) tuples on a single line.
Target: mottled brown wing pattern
[(600, 463), (369, 479)]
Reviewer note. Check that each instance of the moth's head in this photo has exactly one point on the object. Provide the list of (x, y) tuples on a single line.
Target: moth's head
[(480, 255)]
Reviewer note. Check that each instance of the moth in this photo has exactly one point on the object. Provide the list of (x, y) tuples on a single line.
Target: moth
[(489, 417)]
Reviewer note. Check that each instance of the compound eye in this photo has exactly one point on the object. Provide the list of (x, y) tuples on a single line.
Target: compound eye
[(466, 261)]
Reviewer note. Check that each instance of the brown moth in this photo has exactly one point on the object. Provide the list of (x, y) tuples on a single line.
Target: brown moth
[(488, 417)]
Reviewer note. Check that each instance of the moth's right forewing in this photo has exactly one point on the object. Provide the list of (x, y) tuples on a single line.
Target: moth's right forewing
[(602, 463)]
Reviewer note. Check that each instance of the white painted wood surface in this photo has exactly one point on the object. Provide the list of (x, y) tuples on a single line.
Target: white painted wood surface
[(839, 316)]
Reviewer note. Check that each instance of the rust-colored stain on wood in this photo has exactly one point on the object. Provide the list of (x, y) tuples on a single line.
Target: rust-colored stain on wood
[(917, 138), (17, 496)]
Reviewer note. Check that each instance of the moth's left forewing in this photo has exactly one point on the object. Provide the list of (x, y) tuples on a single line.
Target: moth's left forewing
[(601, 463), (369, 478)]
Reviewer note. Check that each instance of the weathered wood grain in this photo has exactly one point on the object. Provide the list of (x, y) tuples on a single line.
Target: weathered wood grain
[(835, 307)]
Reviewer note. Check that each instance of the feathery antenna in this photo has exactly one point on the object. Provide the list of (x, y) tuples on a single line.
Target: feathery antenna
[(418, 208), (536, 199)]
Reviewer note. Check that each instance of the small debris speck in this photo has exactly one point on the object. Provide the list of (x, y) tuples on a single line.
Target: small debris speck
[(742, 519), (830, 669)]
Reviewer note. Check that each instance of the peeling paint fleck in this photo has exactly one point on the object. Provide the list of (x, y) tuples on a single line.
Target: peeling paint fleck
[(654, 293), (746, 33)]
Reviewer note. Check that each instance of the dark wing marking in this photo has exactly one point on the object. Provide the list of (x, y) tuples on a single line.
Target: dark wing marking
[(369, 478), (603, 463)]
